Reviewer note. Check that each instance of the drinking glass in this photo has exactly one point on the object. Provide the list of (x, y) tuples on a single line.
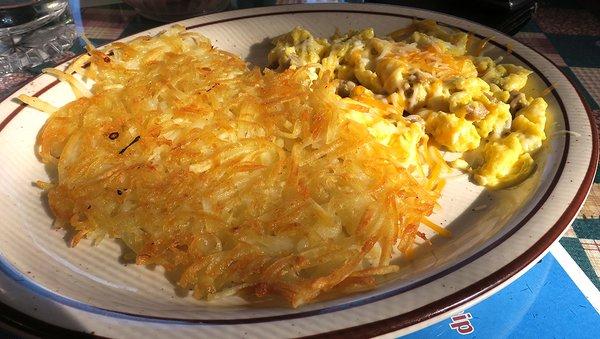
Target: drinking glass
[(33, 32)]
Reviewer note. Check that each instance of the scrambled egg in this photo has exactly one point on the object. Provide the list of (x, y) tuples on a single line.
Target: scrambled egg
[(425, 84)]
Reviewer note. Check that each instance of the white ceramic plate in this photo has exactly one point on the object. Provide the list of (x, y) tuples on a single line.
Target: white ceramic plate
[(496, 235)]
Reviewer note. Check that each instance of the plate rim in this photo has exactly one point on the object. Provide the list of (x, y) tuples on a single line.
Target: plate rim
[(10, 270), (482, 286)]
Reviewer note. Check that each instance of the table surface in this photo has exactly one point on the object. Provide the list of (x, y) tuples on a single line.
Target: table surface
[(568, 32)]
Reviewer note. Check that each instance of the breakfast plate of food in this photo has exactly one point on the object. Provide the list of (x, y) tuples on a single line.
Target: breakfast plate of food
[(286, 171)]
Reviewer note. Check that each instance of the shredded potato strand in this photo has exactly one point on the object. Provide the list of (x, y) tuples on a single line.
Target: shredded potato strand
[(37, 103)]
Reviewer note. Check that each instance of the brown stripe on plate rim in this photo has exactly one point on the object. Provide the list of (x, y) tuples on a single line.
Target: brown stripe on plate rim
[(22, 106), (454, 300), (421, 282)]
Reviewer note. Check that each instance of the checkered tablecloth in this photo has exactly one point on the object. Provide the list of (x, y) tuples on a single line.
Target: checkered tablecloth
[(568, 32)]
